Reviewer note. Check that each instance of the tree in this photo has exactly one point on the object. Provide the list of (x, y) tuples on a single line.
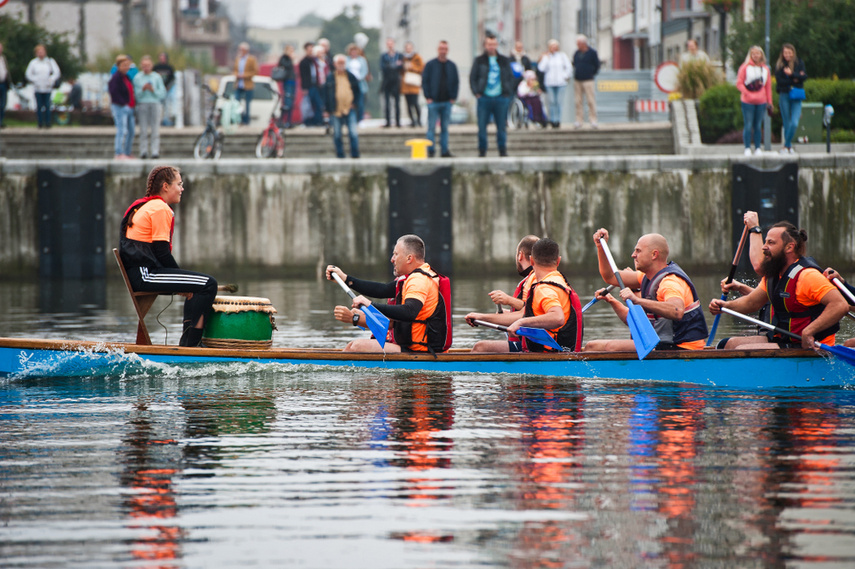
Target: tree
[(821, 32), (340, 31), (19, 40)]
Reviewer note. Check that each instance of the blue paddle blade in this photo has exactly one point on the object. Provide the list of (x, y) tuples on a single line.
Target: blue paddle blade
[(377, 323), (842, 352), (591, 303), (711, 337), (540, 336), (643, 334)]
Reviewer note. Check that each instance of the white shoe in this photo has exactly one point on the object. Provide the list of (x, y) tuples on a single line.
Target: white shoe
[(577, 125), (595, 126), (784, 151), (758, 151), (791, 150), (748, 152)]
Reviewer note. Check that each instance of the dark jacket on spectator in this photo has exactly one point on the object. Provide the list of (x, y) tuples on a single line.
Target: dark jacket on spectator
[(306, 65), (391, 67), (431, 78), (786, 82), (119, 93), (287, 64), (329, 91), (481, 69), (586, 64)]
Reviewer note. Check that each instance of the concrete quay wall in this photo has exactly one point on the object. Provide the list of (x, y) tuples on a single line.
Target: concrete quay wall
[(281, 217)]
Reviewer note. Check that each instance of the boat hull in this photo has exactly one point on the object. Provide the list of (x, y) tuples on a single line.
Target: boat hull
[(21, 358)]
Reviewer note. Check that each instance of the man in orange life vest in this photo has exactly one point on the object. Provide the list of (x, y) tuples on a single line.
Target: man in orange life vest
[(667, 296), (420, 313), (551, 304), (802, 299), (516, 300)]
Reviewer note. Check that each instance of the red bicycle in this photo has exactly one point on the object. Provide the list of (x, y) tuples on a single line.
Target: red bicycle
[(271, 142)]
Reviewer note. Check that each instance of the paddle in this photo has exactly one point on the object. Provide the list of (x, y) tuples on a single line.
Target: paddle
[(847, 293), (377, 322), (842, 352), (643, 334), (594, 300), (729, 280), (538, 335)]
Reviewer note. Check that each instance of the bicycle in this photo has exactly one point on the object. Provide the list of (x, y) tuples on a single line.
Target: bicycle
[(271, 142), (209, 144)]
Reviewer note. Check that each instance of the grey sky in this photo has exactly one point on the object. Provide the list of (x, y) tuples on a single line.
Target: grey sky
[(278, 13)]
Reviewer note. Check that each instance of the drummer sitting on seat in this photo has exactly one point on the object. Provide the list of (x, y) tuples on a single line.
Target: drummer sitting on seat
[(145, 244)]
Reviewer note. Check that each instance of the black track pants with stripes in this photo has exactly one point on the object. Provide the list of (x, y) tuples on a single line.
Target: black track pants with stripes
[(203, 287)]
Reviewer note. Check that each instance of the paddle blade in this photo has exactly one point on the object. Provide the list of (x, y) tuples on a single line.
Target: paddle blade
[(377, 323), (842, 352), (711, 337), (643, 334), (540, 336)]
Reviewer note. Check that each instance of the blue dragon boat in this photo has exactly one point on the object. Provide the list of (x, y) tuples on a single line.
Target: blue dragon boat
[(29, 358)]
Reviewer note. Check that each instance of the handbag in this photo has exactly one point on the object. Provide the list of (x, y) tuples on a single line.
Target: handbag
[(413, 79), (797, 94), (278, 73)]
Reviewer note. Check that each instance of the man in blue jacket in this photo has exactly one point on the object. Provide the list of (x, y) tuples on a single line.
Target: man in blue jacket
[(492, 83), (586, 65), (341, 93), (440, 84)]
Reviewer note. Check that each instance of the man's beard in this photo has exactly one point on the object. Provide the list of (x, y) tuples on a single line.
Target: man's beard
[(523, 272), (772, 265)]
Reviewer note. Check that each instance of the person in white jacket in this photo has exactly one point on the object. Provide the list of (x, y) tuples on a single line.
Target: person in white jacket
[(43, 73), (556, 69)]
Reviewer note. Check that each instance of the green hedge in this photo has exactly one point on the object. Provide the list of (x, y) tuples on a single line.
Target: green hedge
[(720, 112)]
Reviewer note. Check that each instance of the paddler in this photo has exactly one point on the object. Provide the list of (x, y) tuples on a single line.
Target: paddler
[(419, 306), (551, 304), (803, 300), (145, 245), (661, 288)]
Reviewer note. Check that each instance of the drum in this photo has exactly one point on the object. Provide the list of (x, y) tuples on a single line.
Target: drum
[(240, 322)]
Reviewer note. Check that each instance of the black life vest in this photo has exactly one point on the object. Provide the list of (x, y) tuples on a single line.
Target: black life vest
[(570, 334), (139, 253), (692, 326), (437, 336), (787, 312)]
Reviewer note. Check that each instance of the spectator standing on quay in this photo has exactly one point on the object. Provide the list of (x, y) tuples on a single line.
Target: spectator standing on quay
[(391, 64), (412, 83), (75, 95), (754, 81), (440, 84), (167, 73), (289, 85), (692, 53), (556, 69), (246, 67), (358, 65), (328, 59), (520, 62), (342, 89), (492, 83), (149, 93), (43, 73), (310, 86), (5, 81), (122, 105), (789, 73), (586, 65)]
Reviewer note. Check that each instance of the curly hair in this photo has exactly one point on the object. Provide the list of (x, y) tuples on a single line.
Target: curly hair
[(158, 176)]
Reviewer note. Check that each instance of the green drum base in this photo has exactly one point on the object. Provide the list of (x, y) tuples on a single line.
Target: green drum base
[(252, 326)]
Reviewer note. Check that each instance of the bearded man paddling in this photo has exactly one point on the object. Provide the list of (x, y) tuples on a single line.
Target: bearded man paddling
[(803, 300)]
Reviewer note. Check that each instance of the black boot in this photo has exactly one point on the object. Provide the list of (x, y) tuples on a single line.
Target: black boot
[(191, 337)]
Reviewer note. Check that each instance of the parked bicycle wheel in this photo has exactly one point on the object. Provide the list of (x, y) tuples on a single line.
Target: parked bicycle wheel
[(269, 145), (208, 145)]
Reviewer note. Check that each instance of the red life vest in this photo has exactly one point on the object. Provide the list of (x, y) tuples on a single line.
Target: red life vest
[(570, 334), (437, 325)]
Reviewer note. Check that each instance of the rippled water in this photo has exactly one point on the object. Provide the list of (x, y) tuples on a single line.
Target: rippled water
[(236, 465)]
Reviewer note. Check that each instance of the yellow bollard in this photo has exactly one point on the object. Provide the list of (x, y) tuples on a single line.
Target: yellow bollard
[(418, 148)]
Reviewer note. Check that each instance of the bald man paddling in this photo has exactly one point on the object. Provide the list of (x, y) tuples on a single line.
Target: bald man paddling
[(662, 289)]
